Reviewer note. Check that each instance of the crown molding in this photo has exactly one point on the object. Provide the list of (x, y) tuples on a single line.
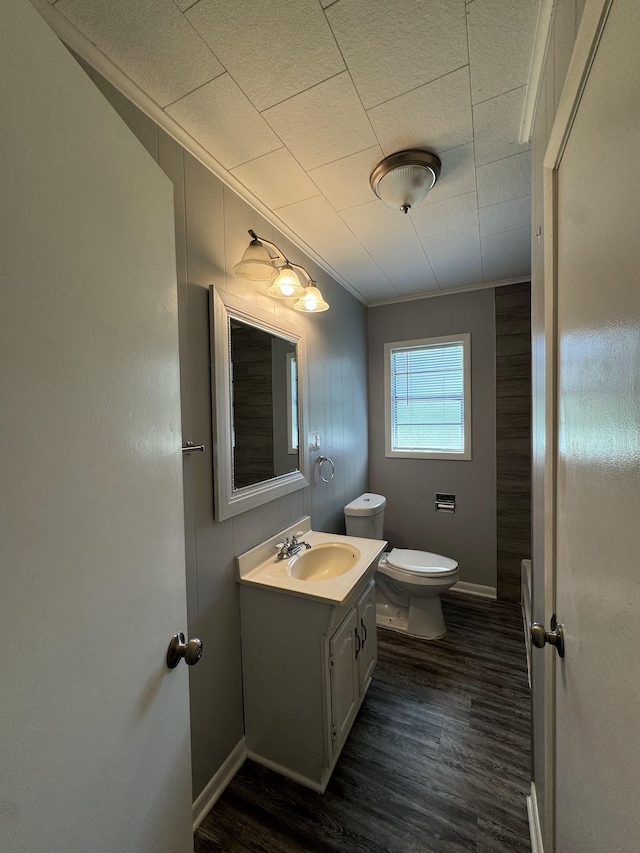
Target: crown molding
[(538, 54), (450, 290)]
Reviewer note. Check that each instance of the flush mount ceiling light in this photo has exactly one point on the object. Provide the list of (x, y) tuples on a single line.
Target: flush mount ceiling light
[(263, 261), (403, 179)]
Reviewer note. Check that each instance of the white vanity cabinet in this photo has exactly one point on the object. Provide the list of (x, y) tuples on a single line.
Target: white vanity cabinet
[(307, 665)]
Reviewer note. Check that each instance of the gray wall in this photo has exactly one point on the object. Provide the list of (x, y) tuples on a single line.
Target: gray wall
[(469, 536), (211, 234)]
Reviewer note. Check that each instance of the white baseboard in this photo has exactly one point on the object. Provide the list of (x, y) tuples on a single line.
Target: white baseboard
[(208, 798), (534, 821), (475, 589), (290, 774)]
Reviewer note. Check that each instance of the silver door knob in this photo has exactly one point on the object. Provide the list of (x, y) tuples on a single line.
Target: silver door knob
[(555, 637), (178, 649)]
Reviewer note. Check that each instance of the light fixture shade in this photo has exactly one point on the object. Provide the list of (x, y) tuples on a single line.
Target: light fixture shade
[(403, 180), (311, 301), (287, 284), (256, 264)]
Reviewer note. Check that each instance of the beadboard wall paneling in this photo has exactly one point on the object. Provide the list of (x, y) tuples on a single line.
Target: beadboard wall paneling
[(211, 234)]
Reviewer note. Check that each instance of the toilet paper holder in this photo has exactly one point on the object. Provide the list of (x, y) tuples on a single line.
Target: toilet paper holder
[(445, 502)]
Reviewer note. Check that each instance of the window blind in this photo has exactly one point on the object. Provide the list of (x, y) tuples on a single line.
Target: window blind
[(427, 398)]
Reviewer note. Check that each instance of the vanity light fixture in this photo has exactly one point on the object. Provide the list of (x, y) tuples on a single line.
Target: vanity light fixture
[(311, 302), (263, 261), (403, 179)]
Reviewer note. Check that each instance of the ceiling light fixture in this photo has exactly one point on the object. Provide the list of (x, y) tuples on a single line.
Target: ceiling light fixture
[(403, 179), (263, 261)]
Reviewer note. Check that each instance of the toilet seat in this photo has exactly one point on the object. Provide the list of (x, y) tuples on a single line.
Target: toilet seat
[(417, 566)]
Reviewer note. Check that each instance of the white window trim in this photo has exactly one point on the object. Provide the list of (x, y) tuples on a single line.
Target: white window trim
[(465, 340)]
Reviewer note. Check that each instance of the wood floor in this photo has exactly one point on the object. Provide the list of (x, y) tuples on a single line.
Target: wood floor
[(437, 760)]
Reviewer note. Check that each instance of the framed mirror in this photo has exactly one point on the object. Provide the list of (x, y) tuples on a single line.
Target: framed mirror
[(258, 395)]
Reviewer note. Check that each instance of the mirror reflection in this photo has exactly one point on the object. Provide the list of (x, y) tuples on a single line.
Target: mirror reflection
[(264, 404)]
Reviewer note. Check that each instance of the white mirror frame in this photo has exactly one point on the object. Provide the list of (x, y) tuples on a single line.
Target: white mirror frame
[(230, 501)]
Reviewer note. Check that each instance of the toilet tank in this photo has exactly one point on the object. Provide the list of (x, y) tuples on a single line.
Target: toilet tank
[(364, 516)]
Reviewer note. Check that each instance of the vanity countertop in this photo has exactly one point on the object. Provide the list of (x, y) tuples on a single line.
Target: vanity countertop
[(261, 567)]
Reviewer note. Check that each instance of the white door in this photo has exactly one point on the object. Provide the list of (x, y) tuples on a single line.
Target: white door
[(597, 758), (368, 651), (94, 729)]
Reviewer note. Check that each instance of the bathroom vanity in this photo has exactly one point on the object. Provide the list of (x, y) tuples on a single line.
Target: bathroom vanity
[(308, 649)]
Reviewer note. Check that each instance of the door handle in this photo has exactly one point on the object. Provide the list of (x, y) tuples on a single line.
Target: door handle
[(358, 643), (178, 649), (555, 637)]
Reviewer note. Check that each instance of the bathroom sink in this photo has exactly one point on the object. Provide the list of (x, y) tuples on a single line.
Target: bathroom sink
[(328, 560)]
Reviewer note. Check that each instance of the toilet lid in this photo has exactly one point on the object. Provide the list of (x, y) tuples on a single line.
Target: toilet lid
[(420, 562)]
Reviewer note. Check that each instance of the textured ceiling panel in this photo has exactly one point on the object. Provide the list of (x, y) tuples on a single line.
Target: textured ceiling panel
[(505, 216), (400, 255), (323, 123), (394, 46), (345, 182), (504, 179), (458, 174), (436, 116), (496, 123), (311, 217), (500, 41), (374, 219), (275, 92), (461, 269), (507, 255), (224, 121), (276, 178), (272, 50), (450, 214), (150, 41)]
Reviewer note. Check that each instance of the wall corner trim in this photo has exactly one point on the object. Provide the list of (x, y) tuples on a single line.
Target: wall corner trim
[(208, 798), (477, 589), (534, 821)]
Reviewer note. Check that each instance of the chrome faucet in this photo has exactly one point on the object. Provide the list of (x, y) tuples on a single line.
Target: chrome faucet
[(291, 546)]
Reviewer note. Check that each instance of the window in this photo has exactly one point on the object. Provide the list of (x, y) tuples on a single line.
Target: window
[(428, 398), (292, 402)]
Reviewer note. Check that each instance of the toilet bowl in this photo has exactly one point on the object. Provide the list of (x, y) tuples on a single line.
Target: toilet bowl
[(408, 588), (408, 583)]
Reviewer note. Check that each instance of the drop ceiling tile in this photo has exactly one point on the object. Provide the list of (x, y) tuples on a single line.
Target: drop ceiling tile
[(311, 217), (505, 216), (223, 120), (400, 255), (439, 246), (272, 50), (374, 219), (450, 214), (496, 125), (500, 43), (455, 257), (436, 116), (504, 179), (150, 41), (395, 46), (348, 257), (345, 182), (276, 179), (507, 255), (324, 123), (458, 175), (461, 270)]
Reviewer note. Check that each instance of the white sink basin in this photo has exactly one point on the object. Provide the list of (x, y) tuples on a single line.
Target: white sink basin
[(321, 562)]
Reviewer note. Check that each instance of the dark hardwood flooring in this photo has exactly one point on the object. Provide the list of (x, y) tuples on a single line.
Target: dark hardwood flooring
[(437, 760)]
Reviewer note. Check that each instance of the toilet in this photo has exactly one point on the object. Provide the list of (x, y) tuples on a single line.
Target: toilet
[(408, 583)]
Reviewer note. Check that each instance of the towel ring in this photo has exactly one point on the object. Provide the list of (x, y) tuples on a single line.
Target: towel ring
[(321, 461)]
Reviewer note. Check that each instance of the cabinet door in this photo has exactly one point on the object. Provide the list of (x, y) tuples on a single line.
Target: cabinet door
[(344, 677), (368, 653)]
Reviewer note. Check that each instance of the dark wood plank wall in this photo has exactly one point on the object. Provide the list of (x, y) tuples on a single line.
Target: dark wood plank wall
[(513, 433)]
